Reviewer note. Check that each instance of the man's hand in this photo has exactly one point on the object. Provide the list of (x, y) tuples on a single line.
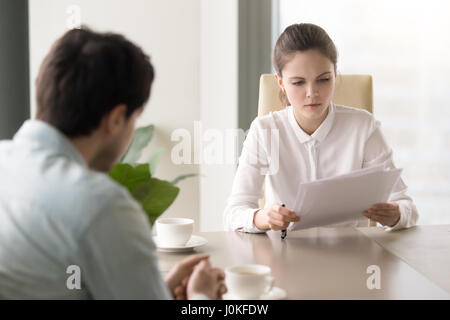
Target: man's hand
[(181, 271), (206, 280), (388, 214)]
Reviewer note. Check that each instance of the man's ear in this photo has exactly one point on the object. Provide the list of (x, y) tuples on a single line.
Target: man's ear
[(115, 119)]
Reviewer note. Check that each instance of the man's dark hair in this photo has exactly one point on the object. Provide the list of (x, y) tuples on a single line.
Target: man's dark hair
[(85, 75)]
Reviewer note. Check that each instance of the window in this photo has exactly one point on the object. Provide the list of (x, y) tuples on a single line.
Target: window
[(404, 45)]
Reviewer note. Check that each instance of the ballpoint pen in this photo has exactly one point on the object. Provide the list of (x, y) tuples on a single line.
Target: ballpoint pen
[(284, 231)]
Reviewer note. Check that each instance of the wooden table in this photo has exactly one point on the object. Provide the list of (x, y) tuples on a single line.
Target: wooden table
[(332, 263)]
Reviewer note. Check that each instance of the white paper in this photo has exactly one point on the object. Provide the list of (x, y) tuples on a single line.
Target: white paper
[(342, 198)]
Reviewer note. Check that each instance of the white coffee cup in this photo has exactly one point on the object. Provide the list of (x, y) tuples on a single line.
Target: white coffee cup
[(174, 232), (248, 281)]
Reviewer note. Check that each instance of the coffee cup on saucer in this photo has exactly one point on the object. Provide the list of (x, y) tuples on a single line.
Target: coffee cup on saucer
[(174, 232), (249, 281)]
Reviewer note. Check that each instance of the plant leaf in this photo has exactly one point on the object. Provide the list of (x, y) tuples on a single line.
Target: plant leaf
[(141, 139), (130, 176), (182, 177), (154, 159), (155, 197)]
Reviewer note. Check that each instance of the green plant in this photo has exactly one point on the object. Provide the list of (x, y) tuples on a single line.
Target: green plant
[(153, 194)]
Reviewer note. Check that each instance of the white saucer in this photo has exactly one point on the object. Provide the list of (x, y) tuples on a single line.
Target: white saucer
[(274, 294), (194, 242)]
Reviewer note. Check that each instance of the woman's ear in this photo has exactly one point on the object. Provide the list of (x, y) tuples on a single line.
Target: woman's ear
[(282, 95), (280, 83)]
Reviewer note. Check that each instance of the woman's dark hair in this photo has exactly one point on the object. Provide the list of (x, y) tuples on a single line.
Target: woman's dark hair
[(302, 37), (85, 75)]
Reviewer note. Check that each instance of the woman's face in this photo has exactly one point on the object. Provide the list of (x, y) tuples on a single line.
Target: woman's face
[(308, 80)]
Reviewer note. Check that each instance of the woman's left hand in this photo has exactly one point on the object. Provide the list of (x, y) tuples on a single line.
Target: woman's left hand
[(388, 214)]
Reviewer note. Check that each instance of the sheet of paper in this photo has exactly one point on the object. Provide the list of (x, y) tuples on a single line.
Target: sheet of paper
[(342, 198)]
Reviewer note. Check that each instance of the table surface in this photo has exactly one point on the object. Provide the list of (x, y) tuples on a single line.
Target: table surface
[(331, 263), (425, 248)]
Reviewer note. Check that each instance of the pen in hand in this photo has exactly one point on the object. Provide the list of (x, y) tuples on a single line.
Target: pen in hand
[(284, 231)]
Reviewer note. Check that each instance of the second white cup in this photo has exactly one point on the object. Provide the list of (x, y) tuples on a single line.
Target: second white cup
[(248, 281), (174, 232)]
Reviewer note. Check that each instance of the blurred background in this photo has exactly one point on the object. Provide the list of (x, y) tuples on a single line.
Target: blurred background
[(209, 54)]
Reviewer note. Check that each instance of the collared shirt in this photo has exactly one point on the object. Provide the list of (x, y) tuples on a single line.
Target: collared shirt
[(278, 152), (57, 217)]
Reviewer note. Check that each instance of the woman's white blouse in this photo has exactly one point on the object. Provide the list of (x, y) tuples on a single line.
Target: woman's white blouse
[(279, 152)]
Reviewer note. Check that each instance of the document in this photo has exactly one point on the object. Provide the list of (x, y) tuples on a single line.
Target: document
[(342, 198)]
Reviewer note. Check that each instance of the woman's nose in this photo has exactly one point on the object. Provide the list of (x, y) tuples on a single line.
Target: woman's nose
[(312, 91)]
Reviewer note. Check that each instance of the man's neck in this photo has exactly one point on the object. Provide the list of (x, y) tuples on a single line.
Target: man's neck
[(87, 146)]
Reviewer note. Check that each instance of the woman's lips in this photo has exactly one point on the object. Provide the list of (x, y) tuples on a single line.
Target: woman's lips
[(312, 105)]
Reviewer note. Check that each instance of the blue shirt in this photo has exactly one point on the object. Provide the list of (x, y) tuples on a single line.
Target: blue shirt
[(56, 213)]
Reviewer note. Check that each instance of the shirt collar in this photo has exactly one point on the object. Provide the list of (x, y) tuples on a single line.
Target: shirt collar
[(320, 134), (44, 134)]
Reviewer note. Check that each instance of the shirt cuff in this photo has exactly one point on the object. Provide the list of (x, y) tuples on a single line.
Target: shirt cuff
[(249, 225), (401, 223)]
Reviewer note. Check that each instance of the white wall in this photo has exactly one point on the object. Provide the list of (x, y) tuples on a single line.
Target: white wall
[(219, 100), (169, 32), (193, 46)]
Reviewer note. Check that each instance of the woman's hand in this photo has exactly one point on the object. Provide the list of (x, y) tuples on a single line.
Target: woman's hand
[(274, 217), (388, 214)]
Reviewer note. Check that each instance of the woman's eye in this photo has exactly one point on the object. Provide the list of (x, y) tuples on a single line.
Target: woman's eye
[(299, 83), (324, 80)]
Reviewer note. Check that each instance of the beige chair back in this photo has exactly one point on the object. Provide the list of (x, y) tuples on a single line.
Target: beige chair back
[(351, 90)]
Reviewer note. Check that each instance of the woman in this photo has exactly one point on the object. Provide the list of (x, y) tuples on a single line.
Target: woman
[(316, 139)]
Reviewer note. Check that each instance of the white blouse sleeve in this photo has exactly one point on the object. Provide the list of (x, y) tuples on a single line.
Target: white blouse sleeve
[(247, 185), (378, 152)]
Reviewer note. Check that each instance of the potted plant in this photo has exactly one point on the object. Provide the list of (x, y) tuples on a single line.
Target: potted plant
[(153, 194)]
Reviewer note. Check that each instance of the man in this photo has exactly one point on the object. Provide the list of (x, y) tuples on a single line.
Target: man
[(60, 214)]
